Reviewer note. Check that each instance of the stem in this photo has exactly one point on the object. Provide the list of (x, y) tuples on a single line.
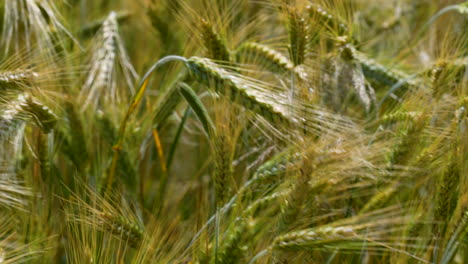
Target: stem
[(259, 255), (135, 101), (164, 177), (218, 220), (222, 211)]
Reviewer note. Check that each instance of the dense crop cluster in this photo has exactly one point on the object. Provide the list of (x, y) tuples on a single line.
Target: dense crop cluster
[(233, 131)]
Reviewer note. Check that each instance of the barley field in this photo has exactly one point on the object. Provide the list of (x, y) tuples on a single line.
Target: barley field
[(233, 131)]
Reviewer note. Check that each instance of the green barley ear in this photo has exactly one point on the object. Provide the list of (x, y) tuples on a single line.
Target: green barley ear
[(197, 106), (446, 75), (406, 144), (215, 45), (314, 238), (123, 229), (231, 250), (111, 214), (294, 202), (208, 73), (223, 168), (380, 75), (223, 144), (265, 202), (376, 231), (410, 125), (266, 102), (449, 183), (447, 195), (298, 36), (17, 80), (264, 55), (277, 165), (30, 109), (325, 19)]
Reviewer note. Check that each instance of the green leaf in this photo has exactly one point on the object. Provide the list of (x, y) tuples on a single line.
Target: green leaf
[(198, 108)]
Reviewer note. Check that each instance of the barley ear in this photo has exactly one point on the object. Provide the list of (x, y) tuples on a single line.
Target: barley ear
[(298, 36), (326, 20), (314, 238), (264, 55), (213, 42)]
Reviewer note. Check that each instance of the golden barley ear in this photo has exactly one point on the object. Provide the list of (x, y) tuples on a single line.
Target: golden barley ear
[(266, 56)]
